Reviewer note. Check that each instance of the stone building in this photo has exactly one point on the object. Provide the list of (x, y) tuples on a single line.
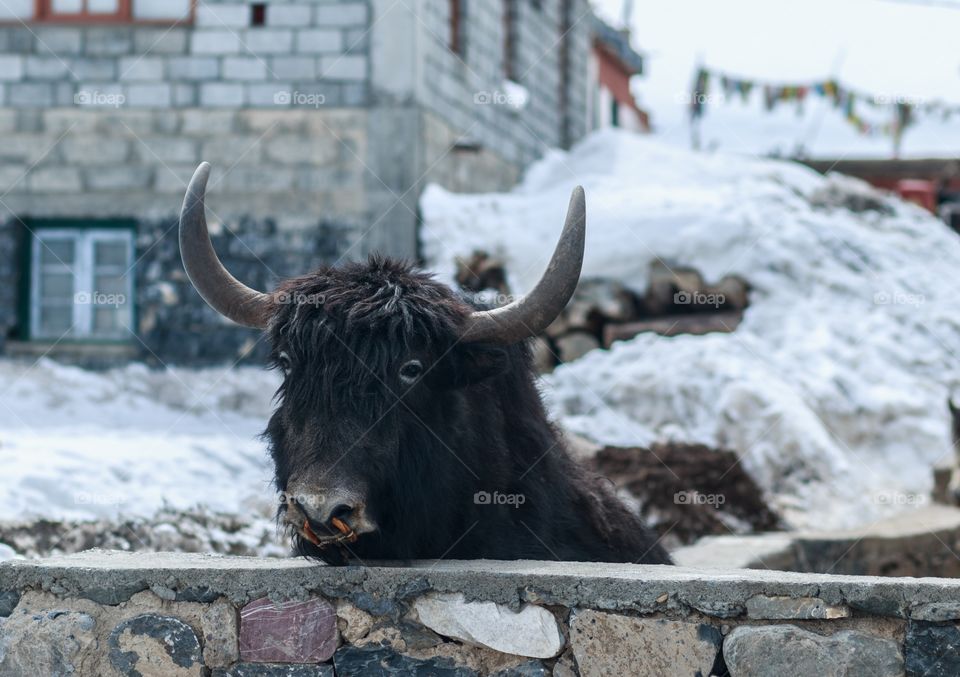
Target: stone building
[(323, 120)]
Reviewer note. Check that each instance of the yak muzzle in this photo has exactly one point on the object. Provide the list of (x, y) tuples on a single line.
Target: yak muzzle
[(328, 516)]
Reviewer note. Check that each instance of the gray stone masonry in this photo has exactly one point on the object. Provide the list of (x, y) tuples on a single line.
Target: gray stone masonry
[(468, 90), (323, 126), (149, 67), (107, 612), (112, 577)]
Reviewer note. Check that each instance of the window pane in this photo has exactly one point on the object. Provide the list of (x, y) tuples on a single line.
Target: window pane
[(67, 6), (56, 286), (108, 320), (110, 254), (16, 9), (56, 251), (161, 9), (55, 320), (102, 6), (111, 285)]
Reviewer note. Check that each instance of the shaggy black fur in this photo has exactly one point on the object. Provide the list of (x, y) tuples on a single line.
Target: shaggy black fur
[(474, 422)]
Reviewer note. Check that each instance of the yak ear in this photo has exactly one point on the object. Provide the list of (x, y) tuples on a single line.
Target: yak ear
[(470, 363)]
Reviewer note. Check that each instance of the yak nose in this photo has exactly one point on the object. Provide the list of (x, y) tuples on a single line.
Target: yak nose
[(341, 511), (324, 509)]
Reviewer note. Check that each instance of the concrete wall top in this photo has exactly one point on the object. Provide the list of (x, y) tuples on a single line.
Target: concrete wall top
[(112, 577)]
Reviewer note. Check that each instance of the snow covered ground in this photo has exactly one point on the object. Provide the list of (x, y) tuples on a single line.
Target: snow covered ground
[(833, 389), (81, 445)]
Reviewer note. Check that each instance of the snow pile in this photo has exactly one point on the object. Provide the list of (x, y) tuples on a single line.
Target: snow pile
[(77, 444), (832, 390)]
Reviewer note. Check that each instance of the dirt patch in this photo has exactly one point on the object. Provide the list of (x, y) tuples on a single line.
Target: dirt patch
[(686, 491)]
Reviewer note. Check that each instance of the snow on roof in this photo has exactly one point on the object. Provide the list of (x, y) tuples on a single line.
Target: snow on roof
[(618, 44)]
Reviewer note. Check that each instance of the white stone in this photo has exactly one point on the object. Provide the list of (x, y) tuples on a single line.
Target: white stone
[(214, 42), (343, 67), (222, 16), (149, 96), (141, 68), (342, 14), (260, 41), (532, 631), (11, 67), (319, 41), (221, 94), (294, 16), (244, 68)]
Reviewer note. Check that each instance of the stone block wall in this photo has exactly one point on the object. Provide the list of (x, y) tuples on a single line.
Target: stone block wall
[(287, 193), (291, 166), (316, 49), (323, 126), (467, 90), (9, 278), (176, 326), (112, 613)]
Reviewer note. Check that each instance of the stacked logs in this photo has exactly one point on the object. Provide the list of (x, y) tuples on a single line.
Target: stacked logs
[(677, 301)]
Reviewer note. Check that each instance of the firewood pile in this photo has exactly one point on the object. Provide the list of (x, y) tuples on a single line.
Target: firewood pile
[(677, 301)]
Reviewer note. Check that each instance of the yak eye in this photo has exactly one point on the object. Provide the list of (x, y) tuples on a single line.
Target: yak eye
[(410, 371), (284, 361)]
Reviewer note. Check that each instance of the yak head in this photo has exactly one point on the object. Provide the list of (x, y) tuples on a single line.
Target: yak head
[(378, 360)]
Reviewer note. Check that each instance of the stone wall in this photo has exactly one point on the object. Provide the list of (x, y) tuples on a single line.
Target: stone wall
[(468, 91), (314, 48), (176, 326), (323, 126), (290, 165), (9, 279), (288, 191), (111, 613)]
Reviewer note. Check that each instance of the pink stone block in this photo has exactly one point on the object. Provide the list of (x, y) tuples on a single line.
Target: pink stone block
[(288, 632)]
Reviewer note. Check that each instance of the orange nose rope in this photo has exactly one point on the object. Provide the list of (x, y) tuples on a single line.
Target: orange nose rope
[(347, 534), (308, 532), (344, 529)]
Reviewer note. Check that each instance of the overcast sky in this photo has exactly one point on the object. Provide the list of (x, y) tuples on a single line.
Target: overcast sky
[(882, 47)]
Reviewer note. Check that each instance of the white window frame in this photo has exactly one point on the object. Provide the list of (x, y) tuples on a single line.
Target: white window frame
[(83, 269)]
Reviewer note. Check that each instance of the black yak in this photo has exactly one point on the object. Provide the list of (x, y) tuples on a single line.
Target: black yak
[(409, 424)]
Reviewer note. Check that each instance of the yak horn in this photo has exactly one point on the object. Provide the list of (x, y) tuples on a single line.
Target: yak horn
[(530, 315), (219, 288)]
